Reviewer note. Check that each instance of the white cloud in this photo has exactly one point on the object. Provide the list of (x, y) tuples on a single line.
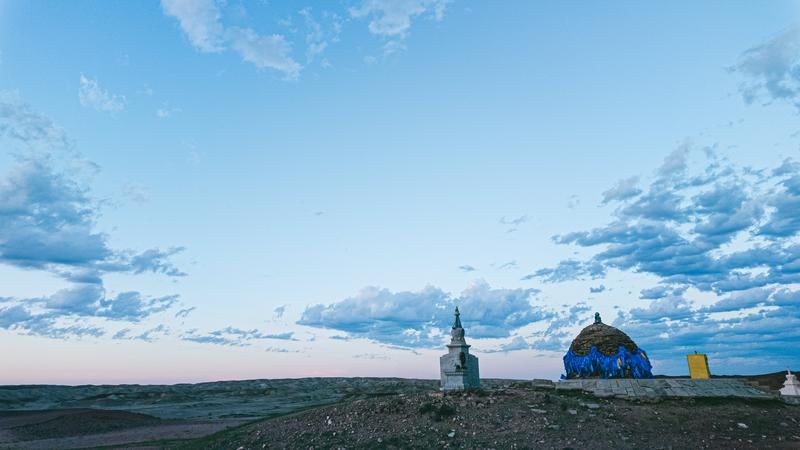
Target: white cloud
[(19, 122), (272, 52), (136, 193), (624, 189), (393, 46), (147, 91), (200, 21), (314, 37), (48, 219), (320, 33), (391, 20), (420, 319), (92, 95), (771, 70), (393, 17), (166, 112)]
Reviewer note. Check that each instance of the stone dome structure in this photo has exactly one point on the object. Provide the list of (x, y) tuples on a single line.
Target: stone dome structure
[(603, 351), (606, 338)]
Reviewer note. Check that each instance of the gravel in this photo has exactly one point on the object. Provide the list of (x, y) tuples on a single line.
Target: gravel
[(523, 417)]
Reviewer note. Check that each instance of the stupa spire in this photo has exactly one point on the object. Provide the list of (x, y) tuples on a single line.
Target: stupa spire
[(457, 333), (457, 323)]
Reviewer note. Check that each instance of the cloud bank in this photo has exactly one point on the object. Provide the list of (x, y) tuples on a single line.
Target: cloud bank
[(711, 228), (234, 337), (201, 22), (48, 224), (422, 319)]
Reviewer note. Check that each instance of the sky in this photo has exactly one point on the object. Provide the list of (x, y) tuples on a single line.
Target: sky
[(195, 190)]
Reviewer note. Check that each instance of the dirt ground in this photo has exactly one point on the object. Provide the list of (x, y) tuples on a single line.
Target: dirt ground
[(382, 413), (520, 417), (86, 428)]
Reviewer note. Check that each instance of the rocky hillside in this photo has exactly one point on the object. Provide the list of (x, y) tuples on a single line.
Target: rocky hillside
[(517, 415)]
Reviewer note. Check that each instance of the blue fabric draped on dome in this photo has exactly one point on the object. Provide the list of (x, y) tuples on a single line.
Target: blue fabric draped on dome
[(602, 351), (623, 364)]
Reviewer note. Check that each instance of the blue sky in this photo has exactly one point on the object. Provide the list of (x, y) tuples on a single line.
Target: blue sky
[(195, 190)]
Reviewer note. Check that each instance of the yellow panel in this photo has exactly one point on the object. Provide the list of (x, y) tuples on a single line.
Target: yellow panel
[(698, 366)]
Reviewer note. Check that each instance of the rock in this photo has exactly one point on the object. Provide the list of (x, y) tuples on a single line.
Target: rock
[(451, 434), (591, 405), (574, 412), (742, 426), (543, 384), (538, 411)]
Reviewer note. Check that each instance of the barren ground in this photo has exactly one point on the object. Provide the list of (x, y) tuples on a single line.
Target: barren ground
[(380, 413), (518, 416)]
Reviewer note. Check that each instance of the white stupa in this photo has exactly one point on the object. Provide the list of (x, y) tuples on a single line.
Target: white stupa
[(458, 369), (791, 387)]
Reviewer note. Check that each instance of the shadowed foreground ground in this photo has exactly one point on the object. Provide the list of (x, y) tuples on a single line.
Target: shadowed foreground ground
[(87, 428), (161, 416), (521, 417), (379, 413)]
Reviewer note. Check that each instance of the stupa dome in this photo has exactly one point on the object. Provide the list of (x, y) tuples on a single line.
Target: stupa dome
[(603, 351)]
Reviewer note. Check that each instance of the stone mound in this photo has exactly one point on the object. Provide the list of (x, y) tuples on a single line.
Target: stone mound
[(606, 338)]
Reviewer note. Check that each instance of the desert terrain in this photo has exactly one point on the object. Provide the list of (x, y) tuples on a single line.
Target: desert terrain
[(381, 413)]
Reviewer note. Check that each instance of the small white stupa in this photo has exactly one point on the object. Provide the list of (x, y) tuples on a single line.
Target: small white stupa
[(791, 387), (459, 369)]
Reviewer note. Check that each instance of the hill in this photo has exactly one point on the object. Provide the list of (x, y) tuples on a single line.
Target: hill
[(517, 415)]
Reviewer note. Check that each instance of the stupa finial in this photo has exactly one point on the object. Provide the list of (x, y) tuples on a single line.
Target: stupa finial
[(597, 318), (457, 323), (457, 333)]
